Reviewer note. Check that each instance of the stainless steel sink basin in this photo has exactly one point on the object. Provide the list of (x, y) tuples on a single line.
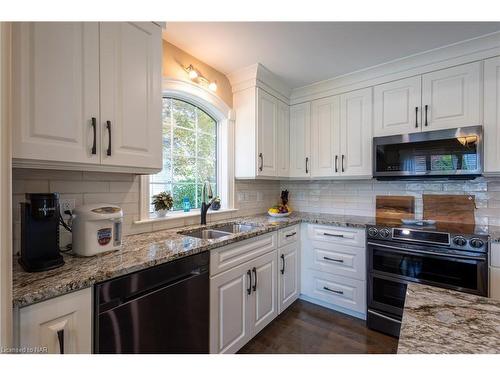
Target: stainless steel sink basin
[(236, 228), (218, 231), (206, 234)]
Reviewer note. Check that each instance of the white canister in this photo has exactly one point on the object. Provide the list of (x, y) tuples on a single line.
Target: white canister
[(97, 228)]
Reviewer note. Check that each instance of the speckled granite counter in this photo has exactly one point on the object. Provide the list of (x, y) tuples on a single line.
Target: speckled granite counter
[(145, 250), (440, 321)]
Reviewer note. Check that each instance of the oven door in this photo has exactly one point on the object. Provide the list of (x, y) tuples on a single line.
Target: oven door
[(421, 264)]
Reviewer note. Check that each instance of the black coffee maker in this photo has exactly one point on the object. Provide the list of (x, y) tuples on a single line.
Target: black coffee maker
[(40, 233)]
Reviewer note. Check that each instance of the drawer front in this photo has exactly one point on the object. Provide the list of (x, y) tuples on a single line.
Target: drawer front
[(230, 256), (336, 290), (340, 235), (337, 259), (288, 235)]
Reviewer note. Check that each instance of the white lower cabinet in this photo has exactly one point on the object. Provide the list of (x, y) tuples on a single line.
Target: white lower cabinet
[(61, 325), (333, 268), (289, 275), (244, 298)]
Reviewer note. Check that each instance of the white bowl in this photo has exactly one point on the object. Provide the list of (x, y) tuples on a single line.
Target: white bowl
[(279, 215)]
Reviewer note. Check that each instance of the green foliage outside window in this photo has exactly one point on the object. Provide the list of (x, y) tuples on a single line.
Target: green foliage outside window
[(189, 153)]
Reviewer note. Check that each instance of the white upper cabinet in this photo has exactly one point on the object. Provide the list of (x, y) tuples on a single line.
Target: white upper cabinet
[(130, 61), (397, 107), (267, 125), (356, 133), (325, 137), (283, 140), (261, 134), (55, 91), (451, 97), (492, 115), (300, 133), (70, 79)]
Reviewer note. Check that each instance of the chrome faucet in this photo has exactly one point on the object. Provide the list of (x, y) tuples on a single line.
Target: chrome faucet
[(207, 198)]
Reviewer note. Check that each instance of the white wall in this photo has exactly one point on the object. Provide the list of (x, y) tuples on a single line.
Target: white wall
[(358, 197), (251, 197), (5, 194)]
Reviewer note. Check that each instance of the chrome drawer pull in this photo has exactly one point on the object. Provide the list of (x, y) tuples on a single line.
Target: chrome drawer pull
[(290, 235), (333, 235), (334, 260), (333, 290)]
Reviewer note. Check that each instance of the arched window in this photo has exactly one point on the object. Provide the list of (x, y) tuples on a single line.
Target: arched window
[(189, 153)]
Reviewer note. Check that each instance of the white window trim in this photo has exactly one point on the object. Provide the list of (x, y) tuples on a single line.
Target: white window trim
[(224, 116)]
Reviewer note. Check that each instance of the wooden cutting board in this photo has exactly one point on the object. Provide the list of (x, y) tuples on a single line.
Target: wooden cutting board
[(395, 207), (449, 208)]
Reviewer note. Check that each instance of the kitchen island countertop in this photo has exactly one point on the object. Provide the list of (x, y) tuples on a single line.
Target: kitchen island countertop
[(441, 321)]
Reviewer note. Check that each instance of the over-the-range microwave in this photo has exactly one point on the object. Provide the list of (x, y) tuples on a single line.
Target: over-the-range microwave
[(450, 153)]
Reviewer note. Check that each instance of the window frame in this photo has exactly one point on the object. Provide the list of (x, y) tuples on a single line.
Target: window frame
[(195, 131), (216, 108)]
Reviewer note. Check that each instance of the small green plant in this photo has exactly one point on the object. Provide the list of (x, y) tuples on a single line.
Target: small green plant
[(163, 201)]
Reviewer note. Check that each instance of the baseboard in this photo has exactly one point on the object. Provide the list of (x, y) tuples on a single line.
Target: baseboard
[(333, 307)]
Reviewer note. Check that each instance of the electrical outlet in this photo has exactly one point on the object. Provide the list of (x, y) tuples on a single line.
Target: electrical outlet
[(65, 205)]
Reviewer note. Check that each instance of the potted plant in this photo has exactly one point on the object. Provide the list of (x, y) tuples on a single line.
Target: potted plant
[(162, 202)]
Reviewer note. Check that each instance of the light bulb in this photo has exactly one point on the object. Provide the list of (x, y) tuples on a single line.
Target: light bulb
[(193, 74), (212, 86)]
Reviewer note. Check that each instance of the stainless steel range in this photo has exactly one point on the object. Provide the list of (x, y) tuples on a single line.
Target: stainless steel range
[(436, 256)]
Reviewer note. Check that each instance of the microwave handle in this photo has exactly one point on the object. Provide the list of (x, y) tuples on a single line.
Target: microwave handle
[(399, 250)]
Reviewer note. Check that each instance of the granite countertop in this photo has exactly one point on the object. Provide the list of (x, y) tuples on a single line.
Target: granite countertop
[(441, 321), (145, 250), (148, 249)]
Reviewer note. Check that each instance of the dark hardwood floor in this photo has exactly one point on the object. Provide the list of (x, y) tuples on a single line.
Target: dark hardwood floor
[(305, 328)]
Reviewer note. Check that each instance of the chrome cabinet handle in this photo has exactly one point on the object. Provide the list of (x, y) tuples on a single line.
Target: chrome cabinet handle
[(336, 163), (307, 165), (60, 339), (254, 270), (94, 145), (290, 235), (249, 289), (261, 158), (343, 157), (108, 126), (416, 117), (426, 107), (333, 290), (334, 260), (283, 259), (333, 235)]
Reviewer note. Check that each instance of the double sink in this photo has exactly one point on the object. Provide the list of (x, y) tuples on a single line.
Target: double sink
[(218, 231)]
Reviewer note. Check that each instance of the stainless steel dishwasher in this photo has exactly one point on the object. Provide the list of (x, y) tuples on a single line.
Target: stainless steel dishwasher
[(162, 309)]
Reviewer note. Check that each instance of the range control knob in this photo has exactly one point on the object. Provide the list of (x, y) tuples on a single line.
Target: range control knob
[(476, 243), (372, 232), (384, 233), (459, 241)]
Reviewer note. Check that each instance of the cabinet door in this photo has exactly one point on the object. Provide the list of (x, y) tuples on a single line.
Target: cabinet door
[(55, 91), (492, 115), (494, 283), (130, 62), (267, 120), (62, 324), (300, 132), (325, 137), (452, 97), (264, 307), (397, 107), (289, 275), (229, 310), (356, 133), (283, 140)]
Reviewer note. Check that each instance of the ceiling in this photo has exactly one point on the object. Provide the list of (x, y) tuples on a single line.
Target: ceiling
[(302, 53)]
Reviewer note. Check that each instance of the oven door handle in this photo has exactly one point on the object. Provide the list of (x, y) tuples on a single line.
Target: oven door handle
[(384, 316), (413, 251)]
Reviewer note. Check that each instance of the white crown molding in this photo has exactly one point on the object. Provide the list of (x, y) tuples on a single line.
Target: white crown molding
[(201, 96), (257, 75), (458, 53)]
